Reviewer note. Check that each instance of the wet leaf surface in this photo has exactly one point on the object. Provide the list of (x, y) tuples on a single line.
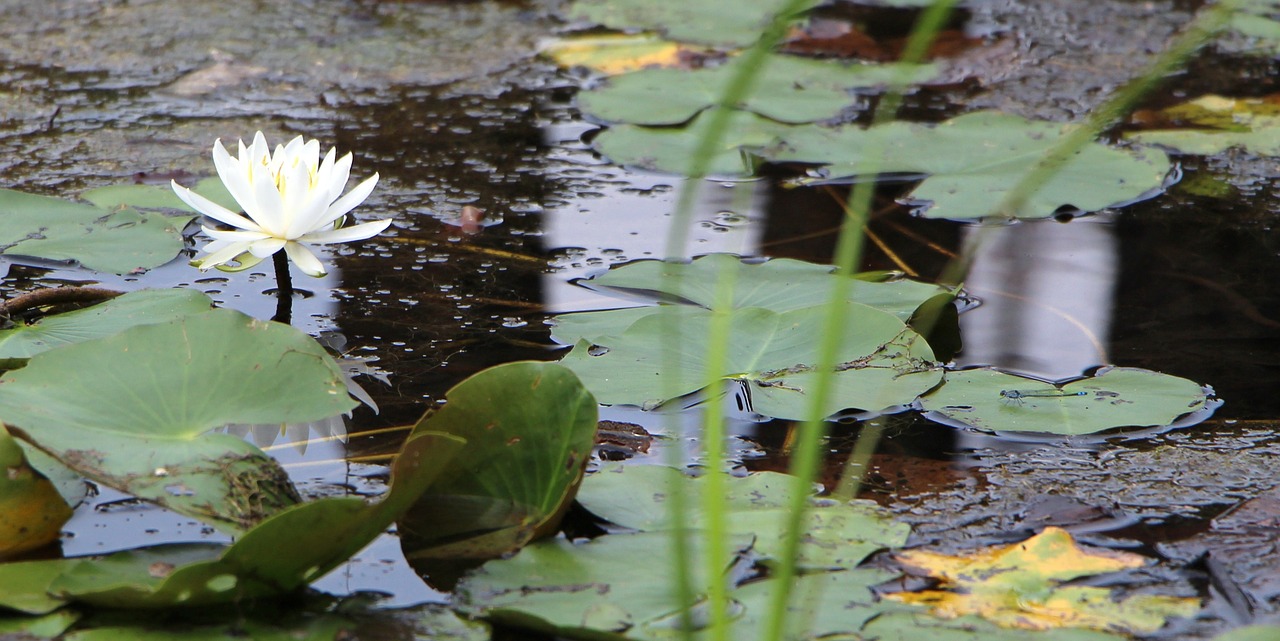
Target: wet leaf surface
[(144, 307), (1115, 397), (529, 429), (1020, 586), (790, 89), (971, 162), (135, 413), (882, 362), (49, 626), (319, 536), (638, 497), (116, 241), (670, 149)]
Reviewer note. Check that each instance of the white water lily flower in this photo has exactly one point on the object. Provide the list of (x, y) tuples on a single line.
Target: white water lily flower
[(290, 200)]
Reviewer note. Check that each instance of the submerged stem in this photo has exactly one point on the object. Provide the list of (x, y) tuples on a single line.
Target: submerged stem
[(284, 289)]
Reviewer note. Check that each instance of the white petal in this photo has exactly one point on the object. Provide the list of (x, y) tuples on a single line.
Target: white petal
[(304, 259), (269, 212), (346, 234), (233, 177), (338, 179), (221, 256), (348, 202), (259, 153), (235, 236), (266, 247), (212, 209), (295, 195)]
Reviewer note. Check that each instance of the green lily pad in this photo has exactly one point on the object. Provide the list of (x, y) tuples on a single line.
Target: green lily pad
[(278, 556), (158, 196), (788, 89), (838, 535), (24, 585), (131, 410), (605, 586), (1117, 397), (882, 362), (143, 307), (50, 626), (723, 23), (671, 149), (327, 627), (779, 285), (973, 161), (529, 428), (119, 241)]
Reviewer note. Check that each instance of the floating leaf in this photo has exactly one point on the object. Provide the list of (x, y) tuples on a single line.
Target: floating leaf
[(779, 285), (24, 585), (318, 536), (1251, 633), (725, 23), (881, 363), (49, 626), (116, 241), (1018, 586), (31, 509), (131, 410), (838, 535), (143, 307), (1116, 397), (787, 89), (1249, 123), (607, 585), (671, 149), (529, 429), (911, 626), (973, 161), (612, 54), (158, 196), (325, 627)]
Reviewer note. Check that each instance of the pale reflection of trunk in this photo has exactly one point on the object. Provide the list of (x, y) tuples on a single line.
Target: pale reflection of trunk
[(1046, 290)]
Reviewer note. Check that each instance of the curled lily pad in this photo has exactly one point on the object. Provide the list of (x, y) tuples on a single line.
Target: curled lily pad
[(882, 362), (318, 536), (1116, 397), (529, 428)]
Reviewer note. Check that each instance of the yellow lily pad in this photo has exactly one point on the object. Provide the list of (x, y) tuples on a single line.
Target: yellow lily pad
[(1017, 586), (31, 510), (619, 53)]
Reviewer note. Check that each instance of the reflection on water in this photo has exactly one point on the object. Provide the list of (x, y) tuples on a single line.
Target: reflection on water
[(1046, 293)]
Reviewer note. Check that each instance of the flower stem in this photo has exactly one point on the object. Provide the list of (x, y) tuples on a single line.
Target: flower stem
[(284, 289)]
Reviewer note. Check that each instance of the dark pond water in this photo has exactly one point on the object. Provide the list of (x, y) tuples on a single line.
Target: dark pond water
[(448, 104)]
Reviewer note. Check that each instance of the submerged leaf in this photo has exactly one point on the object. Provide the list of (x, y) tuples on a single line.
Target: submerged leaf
[(881, 363), (131, 410), (1018, 586), (1116, 397), (618, 53), (1220, 123), (529, 429), (31, 509)]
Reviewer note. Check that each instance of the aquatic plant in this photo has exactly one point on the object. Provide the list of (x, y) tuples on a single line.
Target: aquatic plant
[(290, 201)]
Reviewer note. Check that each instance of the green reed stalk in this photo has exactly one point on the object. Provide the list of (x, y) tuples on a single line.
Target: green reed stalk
[(715, 549), (807, 454)]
